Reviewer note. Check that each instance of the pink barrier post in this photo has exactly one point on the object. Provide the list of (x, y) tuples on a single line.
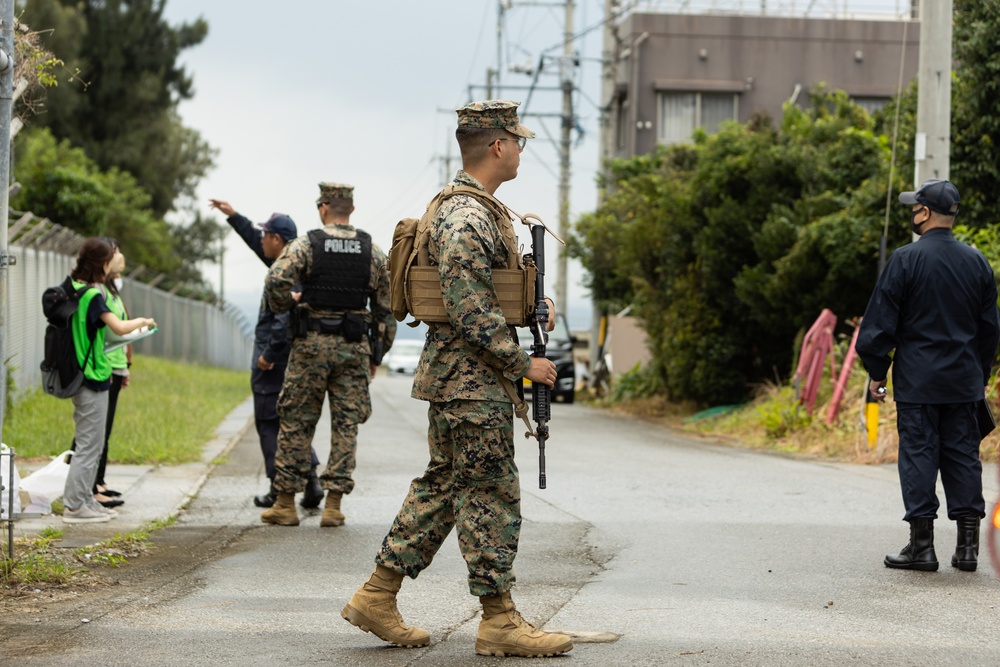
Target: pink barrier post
[(845, 374)]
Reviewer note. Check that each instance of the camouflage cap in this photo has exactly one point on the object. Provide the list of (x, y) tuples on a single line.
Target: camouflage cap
[(328, 191), (490, 114)]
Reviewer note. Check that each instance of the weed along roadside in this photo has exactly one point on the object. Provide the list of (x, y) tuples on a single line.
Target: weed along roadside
[(174, 425), (40, 561), (774, 420)]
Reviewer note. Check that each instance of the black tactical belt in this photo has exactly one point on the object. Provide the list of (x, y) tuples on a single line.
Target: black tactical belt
[(325, 325)]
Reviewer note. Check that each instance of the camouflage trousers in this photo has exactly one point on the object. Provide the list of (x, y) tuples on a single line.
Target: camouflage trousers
[(471, 484), (321, 365)]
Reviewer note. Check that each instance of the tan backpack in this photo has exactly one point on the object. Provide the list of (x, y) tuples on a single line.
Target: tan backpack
[(415, 286)]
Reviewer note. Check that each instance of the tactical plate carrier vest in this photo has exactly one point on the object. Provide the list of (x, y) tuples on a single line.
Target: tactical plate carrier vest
[(341, 272)]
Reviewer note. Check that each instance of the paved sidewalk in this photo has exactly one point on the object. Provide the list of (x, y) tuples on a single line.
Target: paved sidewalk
[(149, 492)]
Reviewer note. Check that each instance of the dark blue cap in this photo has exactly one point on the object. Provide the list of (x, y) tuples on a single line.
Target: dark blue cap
[(935, 194), (282, 225)]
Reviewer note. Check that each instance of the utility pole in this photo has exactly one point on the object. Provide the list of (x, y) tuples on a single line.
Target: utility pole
[(566, 68), (609, 133), (446, 160), (6, 108), (932, 147), (502, 6)]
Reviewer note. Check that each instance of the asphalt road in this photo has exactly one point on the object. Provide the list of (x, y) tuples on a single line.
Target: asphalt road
[(652, 547)]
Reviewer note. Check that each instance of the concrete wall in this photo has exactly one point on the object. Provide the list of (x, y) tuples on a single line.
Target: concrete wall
[(628, 344)]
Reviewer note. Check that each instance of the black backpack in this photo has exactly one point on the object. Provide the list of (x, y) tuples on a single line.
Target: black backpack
[(62, 375)]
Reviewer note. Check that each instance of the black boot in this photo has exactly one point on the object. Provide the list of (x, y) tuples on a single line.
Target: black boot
[(967, 551), (266, 499), (919, 553), (313, 495)]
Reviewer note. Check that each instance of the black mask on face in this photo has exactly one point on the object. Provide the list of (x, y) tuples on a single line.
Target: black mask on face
[(915, 226)]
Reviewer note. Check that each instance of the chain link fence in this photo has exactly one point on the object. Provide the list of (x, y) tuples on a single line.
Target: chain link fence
[(188, 330)]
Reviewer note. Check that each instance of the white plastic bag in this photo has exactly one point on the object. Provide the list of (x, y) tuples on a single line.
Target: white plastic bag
[(6, 482), (46, 484)]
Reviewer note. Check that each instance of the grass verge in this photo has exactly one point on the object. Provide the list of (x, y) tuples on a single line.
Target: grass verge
[(39, 563), (775, 420), (169, 411)]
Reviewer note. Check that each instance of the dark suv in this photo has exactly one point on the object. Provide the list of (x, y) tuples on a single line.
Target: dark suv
[(560, 350)]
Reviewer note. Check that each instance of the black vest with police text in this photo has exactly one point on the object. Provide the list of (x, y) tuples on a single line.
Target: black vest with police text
[(341, 272)]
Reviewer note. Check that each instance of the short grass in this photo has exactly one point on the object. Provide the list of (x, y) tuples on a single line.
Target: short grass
[(165, 417)]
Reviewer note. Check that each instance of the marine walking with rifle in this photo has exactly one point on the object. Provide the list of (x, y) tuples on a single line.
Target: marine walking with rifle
[(338, 342), (468, 362)]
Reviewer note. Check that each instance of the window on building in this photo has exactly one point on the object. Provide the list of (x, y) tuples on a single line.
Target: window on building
[(621, 125), (682, 113), (871, 104)]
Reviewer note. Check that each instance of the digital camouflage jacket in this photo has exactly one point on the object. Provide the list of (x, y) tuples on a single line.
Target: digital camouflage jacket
[(294, 264), (459, 359)]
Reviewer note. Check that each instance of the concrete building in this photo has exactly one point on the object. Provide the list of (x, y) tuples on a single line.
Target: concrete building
[(678, 72)]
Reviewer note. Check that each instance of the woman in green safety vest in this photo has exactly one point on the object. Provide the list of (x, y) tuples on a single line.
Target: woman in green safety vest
[(96, 260)]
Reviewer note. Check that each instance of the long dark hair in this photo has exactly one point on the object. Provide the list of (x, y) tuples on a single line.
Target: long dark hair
[(94, 254), (109, 282)]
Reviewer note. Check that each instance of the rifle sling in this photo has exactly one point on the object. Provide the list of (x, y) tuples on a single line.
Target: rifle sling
[(520, 405)]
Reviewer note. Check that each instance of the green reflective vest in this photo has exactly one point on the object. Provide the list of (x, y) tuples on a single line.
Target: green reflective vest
[(98, 368), (118, 357)]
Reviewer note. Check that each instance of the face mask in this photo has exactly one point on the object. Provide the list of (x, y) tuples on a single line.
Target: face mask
[(915, 226), (118, 283)]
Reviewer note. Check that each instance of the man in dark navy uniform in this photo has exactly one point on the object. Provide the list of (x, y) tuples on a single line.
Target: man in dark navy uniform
[(271, 346), (936, 306)]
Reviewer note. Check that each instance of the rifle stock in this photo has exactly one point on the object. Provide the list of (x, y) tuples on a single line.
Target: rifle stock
[(541, 401)]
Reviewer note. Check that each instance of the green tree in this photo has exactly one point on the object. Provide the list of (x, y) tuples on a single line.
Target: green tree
[(63, 184), (122, 106), (729, 246), (975, 133)]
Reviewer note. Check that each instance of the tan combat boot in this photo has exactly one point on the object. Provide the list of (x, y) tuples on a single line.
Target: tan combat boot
[(503, 631), (373, 609), (332, 516), (282, 512)]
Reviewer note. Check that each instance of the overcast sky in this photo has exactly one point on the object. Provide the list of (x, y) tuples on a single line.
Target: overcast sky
[(364, 92), (304, 91)]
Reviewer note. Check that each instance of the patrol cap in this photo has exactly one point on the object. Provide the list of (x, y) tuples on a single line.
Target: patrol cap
[(328, 191), (935, 194), (282, 225), (493, 114)]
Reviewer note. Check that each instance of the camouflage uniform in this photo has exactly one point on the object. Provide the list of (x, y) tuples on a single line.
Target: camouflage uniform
[(324, 364), (471, 482)]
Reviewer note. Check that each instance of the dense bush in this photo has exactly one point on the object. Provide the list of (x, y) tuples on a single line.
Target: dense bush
[(729, 246)]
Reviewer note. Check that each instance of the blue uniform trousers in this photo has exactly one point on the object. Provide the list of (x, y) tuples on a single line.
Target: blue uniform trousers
[(943, 437)]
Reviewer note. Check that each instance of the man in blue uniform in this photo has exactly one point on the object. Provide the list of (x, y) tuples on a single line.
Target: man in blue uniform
[(936, 306), (270, 348)]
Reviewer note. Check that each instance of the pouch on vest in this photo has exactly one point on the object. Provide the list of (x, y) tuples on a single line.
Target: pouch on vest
[(415, 286), (352, 328)]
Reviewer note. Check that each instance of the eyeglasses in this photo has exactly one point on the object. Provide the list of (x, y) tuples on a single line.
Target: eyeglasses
[(521, 141)]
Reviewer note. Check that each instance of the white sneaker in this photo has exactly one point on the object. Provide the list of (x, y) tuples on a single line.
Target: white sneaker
[(86, 514), (101, 509)]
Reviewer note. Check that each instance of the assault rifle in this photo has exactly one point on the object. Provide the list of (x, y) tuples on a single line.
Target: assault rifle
[(541, 394)]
